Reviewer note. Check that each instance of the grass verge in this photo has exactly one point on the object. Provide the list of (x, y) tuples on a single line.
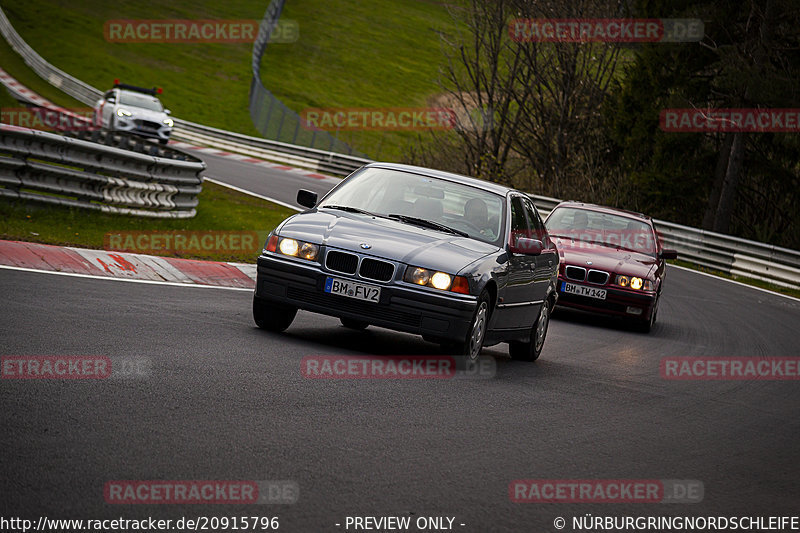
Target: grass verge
[(220, 209), (362, 53)]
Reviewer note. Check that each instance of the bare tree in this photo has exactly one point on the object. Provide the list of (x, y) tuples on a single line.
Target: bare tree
[(560, 109)]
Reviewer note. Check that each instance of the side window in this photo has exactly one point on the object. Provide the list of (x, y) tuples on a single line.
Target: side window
[(534, 221), (519, 220)]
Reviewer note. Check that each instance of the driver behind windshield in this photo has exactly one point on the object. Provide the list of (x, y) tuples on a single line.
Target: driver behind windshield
[(477, 214)]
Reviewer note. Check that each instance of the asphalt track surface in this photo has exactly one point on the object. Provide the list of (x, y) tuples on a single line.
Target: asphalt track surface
[(226, 401)]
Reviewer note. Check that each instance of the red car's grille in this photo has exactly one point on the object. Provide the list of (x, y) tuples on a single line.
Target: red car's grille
[(576, 273)]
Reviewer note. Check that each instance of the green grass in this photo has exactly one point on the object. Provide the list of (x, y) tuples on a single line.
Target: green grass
[(747, 281), (221, 209), (360, 53)]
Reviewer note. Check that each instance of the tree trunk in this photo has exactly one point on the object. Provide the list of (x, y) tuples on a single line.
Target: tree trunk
[(719, 179), (727, 196)]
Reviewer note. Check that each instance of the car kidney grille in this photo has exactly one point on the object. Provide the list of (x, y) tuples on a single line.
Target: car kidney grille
[(377, 270), (341, 262), (598, 277), (576, 273)]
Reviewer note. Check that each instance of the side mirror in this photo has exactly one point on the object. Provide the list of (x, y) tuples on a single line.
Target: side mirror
[(527, 246), (112, 100), (167, 112), (668, 254), (306, 198)]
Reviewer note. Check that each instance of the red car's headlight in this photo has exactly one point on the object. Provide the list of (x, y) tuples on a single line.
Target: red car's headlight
[(633, 282)]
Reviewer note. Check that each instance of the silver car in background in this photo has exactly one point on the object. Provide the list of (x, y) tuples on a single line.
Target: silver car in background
[(136, 110)]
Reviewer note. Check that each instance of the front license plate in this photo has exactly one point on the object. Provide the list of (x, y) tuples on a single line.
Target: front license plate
[(351, 289), (583, 290)]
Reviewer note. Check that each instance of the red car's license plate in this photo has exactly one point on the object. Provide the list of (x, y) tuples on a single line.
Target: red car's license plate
[(583, 290)]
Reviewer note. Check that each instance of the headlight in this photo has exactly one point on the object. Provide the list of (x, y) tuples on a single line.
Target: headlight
[(123, 113), (289, 247), (293, 248), (168, 122), (437, 280), (420, 276), (635, 283), (441, 281)]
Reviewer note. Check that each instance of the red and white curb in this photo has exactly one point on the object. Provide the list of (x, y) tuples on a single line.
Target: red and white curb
[(125, 266), (17, 88)]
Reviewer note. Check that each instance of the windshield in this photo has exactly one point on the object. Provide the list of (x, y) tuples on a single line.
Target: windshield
[(464, 209), (140, 100), (604, 229)]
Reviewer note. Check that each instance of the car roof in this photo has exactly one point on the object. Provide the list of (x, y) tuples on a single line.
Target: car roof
[(605, 209), (128, 91), (448, 176)]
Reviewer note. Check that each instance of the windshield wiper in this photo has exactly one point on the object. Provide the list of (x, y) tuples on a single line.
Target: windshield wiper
[(350, 209), (428, 224)]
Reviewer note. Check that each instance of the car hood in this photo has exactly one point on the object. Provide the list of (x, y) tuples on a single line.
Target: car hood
[(609, 259), (387, 239), (145, 114)]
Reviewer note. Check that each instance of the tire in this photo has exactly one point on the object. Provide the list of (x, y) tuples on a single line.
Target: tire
[(645, 326), (531, 350), (353, 324), (468, 351), (272, 317)]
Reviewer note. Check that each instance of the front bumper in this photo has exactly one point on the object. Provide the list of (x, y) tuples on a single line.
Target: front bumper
[(440, 317), (618, 302), (142, 127)]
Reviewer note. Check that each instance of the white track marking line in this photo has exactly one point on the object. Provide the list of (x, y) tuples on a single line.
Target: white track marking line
[(250, 193), (735, 282), (129, 280)]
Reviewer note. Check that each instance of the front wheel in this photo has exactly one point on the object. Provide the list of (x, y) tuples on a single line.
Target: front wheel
[(645, 326), (469, 350), (272, 317), (531, 350)]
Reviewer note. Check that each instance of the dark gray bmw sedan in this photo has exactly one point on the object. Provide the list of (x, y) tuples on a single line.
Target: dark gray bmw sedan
[(463, 262)]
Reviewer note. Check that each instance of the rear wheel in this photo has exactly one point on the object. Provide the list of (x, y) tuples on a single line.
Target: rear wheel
[(531, 349), (272, 317), (353, 324)]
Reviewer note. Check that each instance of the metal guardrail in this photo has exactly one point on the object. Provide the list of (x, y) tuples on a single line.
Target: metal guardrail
[(724, 253), (48, 168)]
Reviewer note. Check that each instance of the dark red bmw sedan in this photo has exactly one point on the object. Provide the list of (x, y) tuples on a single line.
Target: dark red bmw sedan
[(612, 261)]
